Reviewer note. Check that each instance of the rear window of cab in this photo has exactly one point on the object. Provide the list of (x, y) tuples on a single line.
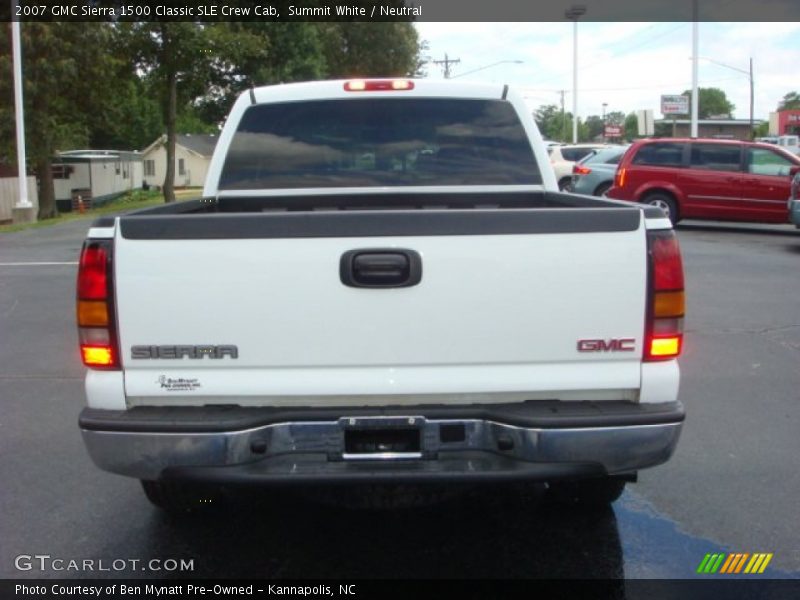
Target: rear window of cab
[(379, 142)]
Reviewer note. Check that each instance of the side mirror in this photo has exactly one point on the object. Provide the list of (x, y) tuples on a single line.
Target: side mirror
[(794, 170)]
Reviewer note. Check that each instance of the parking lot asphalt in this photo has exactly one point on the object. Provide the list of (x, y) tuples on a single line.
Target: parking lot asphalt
[(731, 487)]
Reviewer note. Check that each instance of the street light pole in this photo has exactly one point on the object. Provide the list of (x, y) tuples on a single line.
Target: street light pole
[(695, 100), (604, 121), (575, 81), (573, 14), (752, 97), (22, 202)]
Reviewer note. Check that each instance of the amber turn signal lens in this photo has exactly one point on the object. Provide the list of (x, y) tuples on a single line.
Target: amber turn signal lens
[(669, 304), (92, 313)]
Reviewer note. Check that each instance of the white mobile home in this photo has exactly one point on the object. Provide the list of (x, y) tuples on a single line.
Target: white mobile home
[(96, 175)]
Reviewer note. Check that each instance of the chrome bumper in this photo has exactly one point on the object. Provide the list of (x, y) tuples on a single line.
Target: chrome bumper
[(315, 451)]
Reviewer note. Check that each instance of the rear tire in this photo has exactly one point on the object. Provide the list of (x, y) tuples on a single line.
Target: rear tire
[(665, 202), (180, 497), (589, 493), (601, 189), (565, 184)]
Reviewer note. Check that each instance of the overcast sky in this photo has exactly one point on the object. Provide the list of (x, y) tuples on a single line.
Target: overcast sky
[(627, 65)]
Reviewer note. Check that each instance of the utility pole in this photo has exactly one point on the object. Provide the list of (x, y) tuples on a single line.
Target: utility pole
[(447, 62)]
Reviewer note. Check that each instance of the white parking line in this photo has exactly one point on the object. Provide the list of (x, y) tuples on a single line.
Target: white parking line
[(35, 264)]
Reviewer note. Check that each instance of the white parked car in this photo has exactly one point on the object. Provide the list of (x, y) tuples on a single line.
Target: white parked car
[(563, 158)]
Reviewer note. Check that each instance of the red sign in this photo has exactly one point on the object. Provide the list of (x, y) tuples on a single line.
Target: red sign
[(788, 121), (613, 131)]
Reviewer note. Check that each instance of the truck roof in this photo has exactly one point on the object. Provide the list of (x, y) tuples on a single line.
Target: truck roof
[(336, 89)]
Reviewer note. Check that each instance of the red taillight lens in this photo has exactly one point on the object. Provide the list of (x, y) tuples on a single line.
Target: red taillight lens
[(667, 264), (667, 302), (96, 325), (580, 170), (92, 281), (378, 85)]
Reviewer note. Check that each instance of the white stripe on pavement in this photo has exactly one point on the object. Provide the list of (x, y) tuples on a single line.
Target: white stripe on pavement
[(36, 264)]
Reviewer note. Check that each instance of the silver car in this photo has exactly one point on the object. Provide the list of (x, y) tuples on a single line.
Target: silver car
[(594, 174)]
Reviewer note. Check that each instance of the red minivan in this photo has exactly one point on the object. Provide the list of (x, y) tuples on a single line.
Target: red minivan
[(707, 179)]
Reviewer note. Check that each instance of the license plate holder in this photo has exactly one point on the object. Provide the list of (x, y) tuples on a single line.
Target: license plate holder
[(382, 438)]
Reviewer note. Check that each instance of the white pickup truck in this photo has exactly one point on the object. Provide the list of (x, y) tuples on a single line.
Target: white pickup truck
[(383, 285)]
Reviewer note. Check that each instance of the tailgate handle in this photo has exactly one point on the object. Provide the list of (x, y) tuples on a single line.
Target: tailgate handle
[(380, 268)]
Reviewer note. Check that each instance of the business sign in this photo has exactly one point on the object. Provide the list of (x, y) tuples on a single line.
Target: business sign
[(674, 105), (644, 122), (613, 131)]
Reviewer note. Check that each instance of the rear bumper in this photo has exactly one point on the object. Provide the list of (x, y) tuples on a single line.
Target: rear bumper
[(530, 440), (794, 211)]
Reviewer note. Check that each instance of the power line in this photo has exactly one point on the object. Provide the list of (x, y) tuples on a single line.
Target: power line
[(653, 86), (647, 87), (616, 55)]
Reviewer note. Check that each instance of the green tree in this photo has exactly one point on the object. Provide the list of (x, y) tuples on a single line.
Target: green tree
[(370, 49), (631, 126), (306, 51), (615, 117), (551, 123), (710, 101), (761, 130), (544, 116), (583, 131), (286, 52), (66, 72), (131, 119), (594, 127), (791, 101), (183, 61)]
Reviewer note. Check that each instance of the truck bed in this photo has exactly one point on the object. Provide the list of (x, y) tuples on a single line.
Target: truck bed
[(510, 283)]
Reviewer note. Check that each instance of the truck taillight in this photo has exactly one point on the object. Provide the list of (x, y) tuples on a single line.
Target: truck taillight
[(664, 335), (95, 303)]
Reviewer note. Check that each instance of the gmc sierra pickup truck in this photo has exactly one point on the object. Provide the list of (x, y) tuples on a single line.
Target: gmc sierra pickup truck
[(382, 284)]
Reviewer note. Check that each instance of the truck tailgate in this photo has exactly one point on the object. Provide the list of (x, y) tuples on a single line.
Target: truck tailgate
[(503, 301)]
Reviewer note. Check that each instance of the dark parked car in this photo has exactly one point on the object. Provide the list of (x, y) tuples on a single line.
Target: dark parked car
[(707, 179)]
